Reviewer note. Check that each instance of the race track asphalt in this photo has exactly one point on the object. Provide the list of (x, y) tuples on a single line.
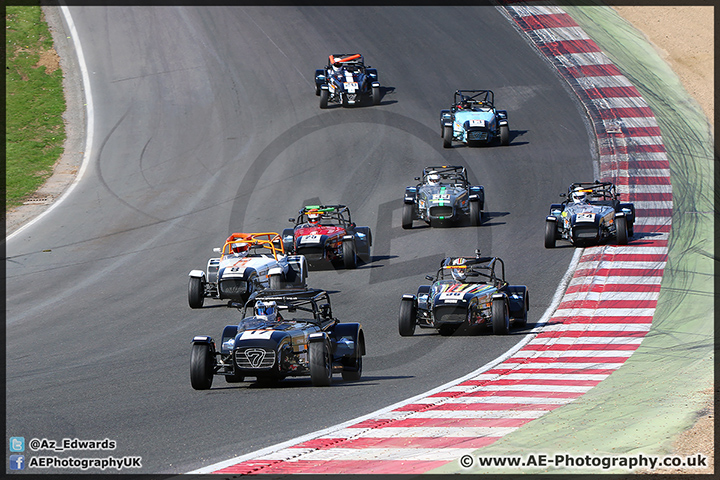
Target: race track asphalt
[(205, 124)]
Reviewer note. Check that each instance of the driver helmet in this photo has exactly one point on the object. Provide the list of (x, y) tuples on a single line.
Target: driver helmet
[(458, 273), (240, 247), (266, 309), (579, 196), (314, 217), (433, 178)]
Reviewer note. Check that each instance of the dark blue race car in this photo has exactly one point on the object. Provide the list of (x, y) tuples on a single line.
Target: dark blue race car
[(347, 81)]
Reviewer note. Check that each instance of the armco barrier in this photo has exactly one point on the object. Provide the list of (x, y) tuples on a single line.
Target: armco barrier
[(606, 311)]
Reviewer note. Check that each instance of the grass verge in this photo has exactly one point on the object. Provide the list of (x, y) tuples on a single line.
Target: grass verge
[(34, 103)]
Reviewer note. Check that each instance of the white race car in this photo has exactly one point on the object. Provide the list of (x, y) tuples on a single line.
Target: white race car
[(247, 262)]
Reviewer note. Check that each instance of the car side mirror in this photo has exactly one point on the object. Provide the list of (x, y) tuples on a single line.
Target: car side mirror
[(429, 277), (217, 250), (417, 178), (325, 310), (292, 220)]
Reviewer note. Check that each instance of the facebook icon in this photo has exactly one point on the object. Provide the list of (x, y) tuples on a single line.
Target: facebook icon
[(17, 462)]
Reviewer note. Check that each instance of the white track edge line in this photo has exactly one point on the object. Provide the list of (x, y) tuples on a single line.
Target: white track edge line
[(89, 128)]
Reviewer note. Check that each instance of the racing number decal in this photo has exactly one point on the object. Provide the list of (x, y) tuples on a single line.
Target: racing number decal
[(256, 334), (310, 239)]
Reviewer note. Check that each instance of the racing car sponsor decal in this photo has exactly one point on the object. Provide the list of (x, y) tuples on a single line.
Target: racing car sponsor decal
[(441, 196), (311, 239), (476, 123), (585, 217), (351, 86), (256, 334)]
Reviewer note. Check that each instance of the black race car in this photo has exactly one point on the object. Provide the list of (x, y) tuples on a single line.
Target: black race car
[(347, 81), (466, 291), (590, 214), (282, 334), (443, 196), (326, 233)]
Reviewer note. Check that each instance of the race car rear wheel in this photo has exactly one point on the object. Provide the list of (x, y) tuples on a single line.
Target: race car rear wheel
[(407, 216), (407, 318), (504, 135), (356, 373), (319, 362), (447, 136), (376, 95), (550, 234), (196, 292), (500, 317), (349, 254), (324, 95), (475, 214), (621, 228), (201, 366)]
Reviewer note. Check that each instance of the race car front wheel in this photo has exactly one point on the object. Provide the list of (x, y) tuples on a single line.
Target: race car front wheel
[(376, 95), (447, 136), (201, 366), (475, 214), (621, 226), (349, 254), (320, 367), (504, 135), (196, 292), (500, 317), (407, 216), (324, 95), (550, 234), (407, 318)]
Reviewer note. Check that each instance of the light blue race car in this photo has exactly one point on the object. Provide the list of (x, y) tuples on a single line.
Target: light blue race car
[(473, 120)]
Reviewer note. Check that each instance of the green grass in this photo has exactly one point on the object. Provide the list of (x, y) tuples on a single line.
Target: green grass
[(34, 129)]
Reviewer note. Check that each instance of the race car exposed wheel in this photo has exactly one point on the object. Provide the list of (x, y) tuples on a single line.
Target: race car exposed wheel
[(504, 135), (201, 366), (319, 362), (500, 317), (621, 228), (447, 136), (522, 320), (376, 95), (349, 254), (407, 318), (550, 232), (324, 95), (631, 232), (356, 373), (475, 214), (407, 216), (276, 282), (196, 292)]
